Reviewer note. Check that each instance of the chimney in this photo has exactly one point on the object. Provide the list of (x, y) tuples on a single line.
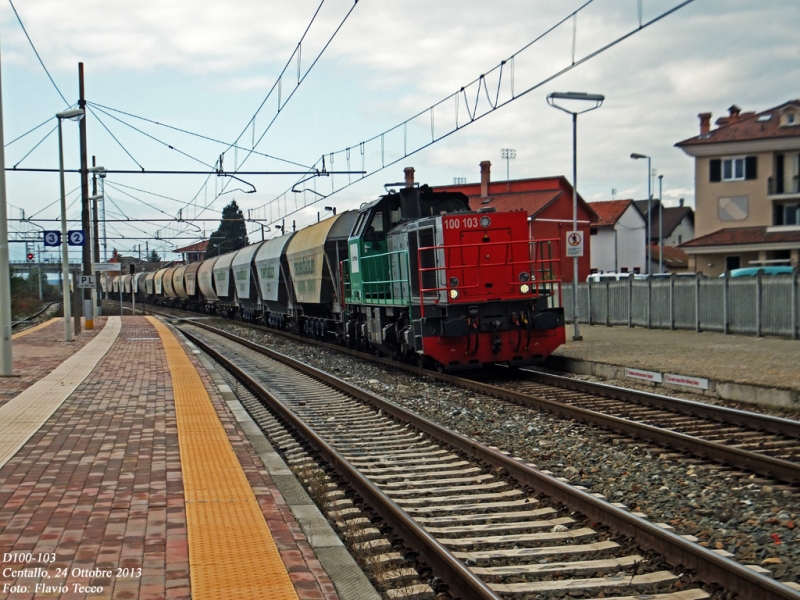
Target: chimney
[(705, 123), (409, 175), (486, 168), (734, 111), (680, 202)]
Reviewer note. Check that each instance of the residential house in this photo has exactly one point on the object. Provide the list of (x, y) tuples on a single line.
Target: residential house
[(193, 253), (618, 237), (747, 190), (548, 202), (678, 225)]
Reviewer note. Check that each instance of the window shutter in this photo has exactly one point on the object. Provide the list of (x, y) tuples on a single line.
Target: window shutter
[(750, 163), (715, 170), (777, 215)]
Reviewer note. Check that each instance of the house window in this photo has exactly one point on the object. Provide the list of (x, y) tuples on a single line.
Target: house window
[(593, 231), (733, 169), (786, 214), (623, 270), (732, 262), (680, 240), (637, 270), (733, 208)]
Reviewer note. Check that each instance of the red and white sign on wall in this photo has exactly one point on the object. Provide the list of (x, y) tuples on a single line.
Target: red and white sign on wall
[(686, 380), (644, 375)]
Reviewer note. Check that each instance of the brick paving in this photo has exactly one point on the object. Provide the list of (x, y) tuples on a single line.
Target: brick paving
[(100, 486), (40, 352)]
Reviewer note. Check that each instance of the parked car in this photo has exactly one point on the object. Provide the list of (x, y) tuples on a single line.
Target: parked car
[(753, 271)]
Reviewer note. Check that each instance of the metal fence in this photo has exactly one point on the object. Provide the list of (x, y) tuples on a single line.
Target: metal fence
[(760, 305)]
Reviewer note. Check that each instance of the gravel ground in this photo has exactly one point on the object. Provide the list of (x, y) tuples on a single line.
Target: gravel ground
[(757, 523)]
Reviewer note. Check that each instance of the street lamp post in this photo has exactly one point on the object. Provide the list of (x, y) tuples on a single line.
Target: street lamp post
[(74, 114), (598, 101), (508, 154), (648, 249)]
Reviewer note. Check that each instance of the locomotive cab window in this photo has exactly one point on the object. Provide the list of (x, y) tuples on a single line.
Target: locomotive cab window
[(359, 224), (375, 232)]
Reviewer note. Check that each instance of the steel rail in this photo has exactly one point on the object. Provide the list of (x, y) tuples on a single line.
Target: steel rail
[(26, 319), (455, 574), (772, 424), (761, 464), (709, 566)]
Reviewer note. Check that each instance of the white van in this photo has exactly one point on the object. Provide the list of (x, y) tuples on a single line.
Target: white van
[(597, 277)]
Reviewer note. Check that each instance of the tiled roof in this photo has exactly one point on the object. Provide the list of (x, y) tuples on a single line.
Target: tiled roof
[(748, 126), (674, 258), (609, 211), (642, 205), (736, 236), (673, 216), (198, 247), (531, 202)]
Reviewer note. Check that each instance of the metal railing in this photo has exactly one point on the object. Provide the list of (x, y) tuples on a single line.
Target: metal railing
[(763, 305)]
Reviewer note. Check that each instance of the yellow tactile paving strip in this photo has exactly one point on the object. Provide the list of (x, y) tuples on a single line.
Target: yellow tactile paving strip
[(24, 332), (231, 551), (23, 415)]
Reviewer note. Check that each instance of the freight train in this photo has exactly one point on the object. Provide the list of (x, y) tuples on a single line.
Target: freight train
[(415, 275)]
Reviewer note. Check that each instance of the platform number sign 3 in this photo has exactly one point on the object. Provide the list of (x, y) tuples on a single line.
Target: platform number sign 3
[(75, 238), (52, 238)]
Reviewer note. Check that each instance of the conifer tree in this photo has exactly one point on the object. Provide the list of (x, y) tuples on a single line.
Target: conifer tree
[(232, 232)]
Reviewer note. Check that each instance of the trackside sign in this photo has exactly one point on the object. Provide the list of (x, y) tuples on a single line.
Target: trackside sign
[(685, 380), (644, 375)]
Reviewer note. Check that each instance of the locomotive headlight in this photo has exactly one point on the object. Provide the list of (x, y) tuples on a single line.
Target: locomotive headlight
[(485, 221), (454, 282), (524, 288), (453, 294), (524, 277)]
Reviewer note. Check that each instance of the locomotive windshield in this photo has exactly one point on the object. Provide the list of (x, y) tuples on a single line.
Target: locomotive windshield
[(434, 204)]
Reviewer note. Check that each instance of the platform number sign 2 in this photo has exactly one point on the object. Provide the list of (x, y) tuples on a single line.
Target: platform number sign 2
[(75, 238), (52, 238)]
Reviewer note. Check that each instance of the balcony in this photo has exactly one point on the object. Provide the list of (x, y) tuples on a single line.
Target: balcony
[(783, 189)]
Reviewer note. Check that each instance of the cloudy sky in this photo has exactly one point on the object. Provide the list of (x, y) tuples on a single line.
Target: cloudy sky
[(206, 68)]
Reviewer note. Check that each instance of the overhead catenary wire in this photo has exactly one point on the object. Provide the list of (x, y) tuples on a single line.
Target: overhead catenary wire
[(300, 80), (472, 112), (124, 149), (35, 51), (197, 135), (19, 137)]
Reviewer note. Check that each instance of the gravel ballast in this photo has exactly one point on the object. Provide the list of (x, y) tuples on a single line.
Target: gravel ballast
[(736, 513)]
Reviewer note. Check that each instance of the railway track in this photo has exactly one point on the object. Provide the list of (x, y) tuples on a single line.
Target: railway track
[(763, 434), (30, 320), (763, 444), (487, 525)]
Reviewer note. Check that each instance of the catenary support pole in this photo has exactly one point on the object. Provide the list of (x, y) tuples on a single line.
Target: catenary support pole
[(6, 357), (660, 225), (85, 221)]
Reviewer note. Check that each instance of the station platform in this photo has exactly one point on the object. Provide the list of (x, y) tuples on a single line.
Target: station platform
[(125, 473), (740, 368)]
